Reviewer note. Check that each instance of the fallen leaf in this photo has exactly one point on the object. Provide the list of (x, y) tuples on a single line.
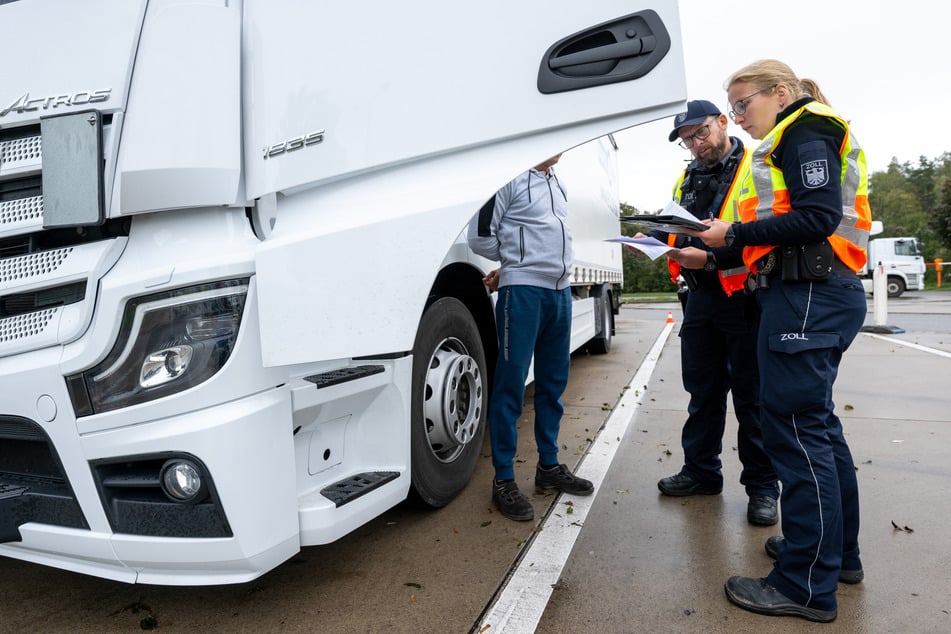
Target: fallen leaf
[(413, 584), (484, 524), (848, 407), (412, 598)]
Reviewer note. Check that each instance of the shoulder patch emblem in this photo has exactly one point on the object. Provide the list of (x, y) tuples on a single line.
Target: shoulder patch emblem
[(815, 174)]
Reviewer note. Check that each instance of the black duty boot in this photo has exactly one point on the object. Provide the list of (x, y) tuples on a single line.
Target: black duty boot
[(761, 510), (682, 485), (756, 595)]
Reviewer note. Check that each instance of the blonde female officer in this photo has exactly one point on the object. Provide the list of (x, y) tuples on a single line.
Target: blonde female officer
[(805, 222)]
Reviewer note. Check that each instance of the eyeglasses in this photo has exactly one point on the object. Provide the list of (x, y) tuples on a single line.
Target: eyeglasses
[(701, 133), (739, 106)]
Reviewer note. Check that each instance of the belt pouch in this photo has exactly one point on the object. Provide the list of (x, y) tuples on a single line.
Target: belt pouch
[(815, 261), (789, 263)]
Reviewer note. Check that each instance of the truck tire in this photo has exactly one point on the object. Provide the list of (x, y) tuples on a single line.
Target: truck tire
[(895, 286), (601, 342), (449, 402)]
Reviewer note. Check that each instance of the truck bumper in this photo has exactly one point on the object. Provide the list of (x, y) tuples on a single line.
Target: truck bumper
[(249, 458)]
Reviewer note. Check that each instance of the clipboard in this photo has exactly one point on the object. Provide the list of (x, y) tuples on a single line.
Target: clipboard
[(665, 221), (672, 219)]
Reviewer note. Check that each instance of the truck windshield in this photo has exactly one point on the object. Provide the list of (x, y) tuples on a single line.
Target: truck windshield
[(906, 247)]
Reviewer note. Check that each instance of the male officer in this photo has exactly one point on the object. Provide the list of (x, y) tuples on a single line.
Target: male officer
[(718, 335)]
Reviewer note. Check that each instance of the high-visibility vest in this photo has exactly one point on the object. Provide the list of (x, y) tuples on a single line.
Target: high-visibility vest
[(731, 280), (763, 192)]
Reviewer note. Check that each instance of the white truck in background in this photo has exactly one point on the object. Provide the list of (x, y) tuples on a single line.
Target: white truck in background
[(236, 315), (902, 263)]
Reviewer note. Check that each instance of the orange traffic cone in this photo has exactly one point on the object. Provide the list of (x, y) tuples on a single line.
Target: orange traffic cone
[(670, 317)]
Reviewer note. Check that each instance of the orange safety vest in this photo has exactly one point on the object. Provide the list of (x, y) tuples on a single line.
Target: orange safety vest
[(764, 194), (731, 280)]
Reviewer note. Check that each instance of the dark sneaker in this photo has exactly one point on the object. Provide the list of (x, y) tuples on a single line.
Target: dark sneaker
[(682, 485), (756, 595), (761, 510), (850, 577), (562, 479), (511, 502)]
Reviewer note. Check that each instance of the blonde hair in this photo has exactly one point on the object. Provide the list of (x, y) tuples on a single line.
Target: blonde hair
[(765, 74)]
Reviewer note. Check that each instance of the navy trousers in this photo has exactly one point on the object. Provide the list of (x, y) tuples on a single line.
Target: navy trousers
[(805, 328), (718, 355), (531, 321)]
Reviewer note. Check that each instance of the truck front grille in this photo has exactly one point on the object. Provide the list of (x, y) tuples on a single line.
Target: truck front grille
[(48, 275)]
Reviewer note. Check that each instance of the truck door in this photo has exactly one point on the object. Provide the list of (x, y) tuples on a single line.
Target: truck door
[(337, 91), (405, 117)]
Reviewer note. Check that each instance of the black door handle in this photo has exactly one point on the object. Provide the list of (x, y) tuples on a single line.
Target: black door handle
[(619, 50), (613, 52)]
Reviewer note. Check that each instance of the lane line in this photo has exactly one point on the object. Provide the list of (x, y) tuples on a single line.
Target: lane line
[(940, 353), (520, 605)]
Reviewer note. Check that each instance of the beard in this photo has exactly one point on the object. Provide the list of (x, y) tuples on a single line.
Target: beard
[(714, 152)]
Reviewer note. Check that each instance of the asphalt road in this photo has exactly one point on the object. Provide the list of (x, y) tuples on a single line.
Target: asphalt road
[(642, 563)]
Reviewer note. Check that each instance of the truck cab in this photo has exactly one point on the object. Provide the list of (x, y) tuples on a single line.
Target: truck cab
[(235, 318), (901, 262)]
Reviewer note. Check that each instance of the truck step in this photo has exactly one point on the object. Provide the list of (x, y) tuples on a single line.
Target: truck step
[(351, 488), (342, 375)]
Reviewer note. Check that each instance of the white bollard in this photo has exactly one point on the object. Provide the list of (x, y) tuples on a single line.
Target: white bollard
[(880, 295)]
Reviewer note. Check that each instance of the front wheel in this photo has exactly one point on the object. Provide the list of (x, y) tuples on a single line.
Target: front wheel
[(449, 401), (895, 286)]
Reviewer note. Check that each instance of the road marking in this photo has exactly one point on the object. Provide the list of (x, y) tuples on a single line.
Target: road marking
[(940, 353), (520, 605)]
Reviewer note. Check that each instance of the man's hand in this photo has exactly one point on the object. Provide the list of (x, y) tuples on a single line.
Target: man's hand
[(632, 249), (492, 280), (689, 257)]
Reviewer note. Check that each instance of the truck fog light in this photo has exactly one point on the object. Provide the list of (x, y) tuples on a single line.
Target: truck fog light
[(182, 481), (165, 365)]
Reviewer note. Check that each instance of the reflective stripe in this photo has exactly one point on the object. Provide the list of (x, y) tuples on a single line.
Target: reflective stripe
[(731, 280), (764, 192)]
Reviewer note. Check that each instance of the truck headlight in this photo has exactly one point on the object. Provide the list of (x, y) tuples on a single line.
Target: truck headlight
[(167, 343)]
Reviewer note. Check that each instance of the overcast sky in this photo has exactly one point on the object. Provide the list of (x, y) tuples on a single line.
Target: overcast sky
[(885, 66)]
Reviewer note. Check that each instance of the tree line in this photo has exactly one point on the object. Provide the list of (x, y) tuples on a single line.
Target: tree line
[(910, 200)]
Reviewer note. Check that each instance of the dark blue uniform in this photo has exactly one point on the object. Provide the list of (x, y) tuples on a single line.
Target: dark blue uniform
[(805, 328), (718, 347)]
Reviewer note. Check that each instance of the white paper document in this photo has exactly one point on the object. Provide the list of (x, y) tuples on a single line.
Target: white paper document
[(651, 247)]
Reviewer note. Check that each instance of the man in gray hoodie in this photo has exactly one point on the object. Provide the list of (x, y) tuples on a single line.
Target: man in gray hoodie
[(524, 226)]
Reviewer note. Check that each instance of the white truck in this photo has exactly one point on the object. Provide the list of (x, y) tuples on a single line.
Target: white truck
[(236, 314), (901, 261)]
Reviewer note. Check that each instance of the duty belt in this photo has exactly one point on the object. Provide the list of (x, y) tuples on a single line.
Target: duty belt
[(766, 267)]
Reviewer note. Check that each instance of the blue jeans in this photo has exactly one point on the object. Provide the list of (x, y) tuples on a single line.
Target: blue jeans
[(530, 321)]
